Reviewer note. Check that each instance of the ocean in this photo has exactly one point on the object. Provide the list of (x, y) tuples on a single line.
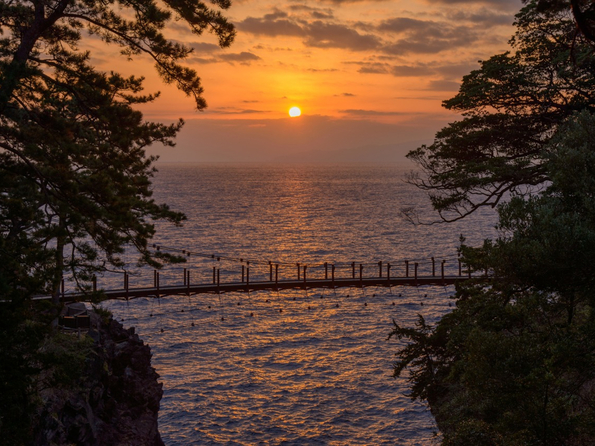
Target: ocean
[(293, 367)]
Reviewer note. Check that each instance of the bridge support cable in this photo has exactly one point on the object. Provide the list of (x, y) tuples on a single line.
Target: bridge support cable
[(309, 275)]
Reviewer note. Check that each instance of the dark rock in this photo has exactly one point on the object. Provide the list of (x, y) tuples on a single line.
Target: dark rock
[(116, 401)]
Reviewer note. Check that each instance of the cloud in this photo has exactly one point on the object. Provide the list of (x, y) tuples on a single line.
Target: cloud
[(513, 5), (486, 17), (374, 68), (328, 35), (405, 24), (412, 70), (457, 70), (394, 36), (443, 85), (317, 13), (262, 47), (321, 70), (202, 47), (448, 71), (342, 2), (321, 15), (232, 111), (317, 34), (243, 57), (270, 27), (425, 36), (214, 54), (360, 112)]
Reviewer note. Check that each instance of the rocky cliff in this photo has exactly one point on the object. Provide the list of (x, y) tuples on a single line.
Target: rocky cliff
[(116, 400)]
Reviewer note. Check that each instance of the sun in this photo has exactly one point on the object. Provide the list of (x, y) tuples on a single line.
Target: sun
[(294, 112)]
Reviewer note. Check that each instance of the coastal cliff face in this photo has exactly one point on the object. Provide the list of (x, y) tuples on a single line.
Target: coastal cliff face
[(116, 400)]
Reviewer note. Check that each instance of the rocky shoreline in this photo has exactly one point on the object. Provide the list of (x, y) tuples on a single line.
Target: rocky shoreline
[(116, 401)]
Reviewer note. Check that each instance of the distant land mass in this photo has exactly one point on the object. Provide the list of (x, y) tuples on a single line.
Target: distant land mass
[(310, 139), (371, 153)]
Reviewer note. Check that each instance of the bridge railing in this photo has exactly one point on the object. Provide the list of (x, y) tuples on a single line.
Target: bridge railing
[(222, 271)]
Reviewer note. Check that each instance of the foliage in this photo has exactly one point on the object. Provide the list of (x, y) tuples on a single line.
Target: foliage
[(515, 361), (74, 177), (75, 182), (42, 36), (511, 107), (21, 334), (75, 163), (583, 12), (62, 358), (34, 360)]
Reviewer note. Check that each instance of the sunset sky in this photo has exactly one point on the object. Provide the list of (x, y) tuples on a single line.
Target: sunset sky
[(369, 77)]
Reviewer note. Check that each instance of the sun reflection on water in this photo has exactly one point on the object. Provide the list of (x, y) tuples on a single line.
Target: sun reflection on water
[(295, 366)]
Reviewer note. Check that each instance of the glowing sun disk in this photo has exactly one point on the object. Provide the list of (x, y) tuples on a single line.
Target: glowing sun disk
[(294, 112)]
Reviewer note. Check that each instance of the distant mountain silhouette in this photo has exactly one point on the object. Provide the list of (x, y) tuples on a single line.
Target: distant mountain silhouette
[(372, 153)]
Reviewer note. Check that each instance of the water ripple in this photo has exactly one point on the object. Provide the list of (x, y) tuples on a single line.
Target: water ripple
[(293, 367)]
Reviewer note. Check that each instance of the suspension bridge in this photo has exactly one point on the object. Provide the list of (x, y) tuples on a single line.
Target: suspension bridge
[(251, 275)]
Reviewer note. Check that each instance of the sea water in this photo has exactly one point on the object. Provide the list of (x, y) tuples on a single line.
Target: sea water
[(293, 367)]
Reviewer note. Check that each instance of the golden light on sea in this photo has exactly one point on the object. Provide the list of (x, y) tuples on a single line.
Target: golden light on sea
[(295, 112)]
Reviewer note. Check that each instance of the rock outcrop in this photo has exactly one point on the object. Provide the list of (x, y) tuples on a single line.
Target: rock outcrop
[(116, 401)]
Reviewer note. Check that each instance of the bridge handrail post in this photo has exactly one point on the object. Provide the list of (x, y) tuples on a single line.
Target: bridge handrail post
[(361, 274), (277, 275), (154, 278), (243, 273), (333, 275), (380, 269), (270, 271), (305, 284), (388, 273), (415, 266), (353, 270), (443, 262), (433, 267), (298, 271)]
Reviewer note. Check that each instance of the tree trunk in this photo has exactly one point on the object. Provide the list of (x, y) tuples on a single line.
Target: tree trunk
[(59, 265)]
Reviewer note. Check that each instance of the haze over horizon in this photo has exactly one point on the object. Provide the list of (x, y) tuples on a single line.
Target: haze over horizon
[(369, 77)]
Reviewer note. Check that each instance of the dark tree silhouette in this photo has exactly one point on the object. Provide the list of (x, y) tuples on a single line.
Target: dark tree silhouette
[(74, 177), (514, 362), (511, 107)]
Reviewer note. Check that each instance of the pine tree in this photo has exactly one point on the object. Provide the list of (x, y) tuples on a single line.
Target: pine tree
[(74, 177)]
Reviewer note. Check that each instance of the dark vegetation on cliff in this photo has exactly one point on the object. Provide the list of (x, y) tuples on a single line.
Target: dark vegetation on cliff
[(514, 363), (94, 387), (75, 192)]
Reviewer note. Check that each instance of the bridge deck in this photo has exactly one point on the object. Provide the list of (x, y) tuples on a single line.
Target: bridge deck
[(190, 289)]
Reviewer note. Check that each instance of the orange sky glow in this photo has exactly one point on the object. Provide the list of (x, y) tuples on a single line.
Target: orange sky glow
[(381, 67)]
